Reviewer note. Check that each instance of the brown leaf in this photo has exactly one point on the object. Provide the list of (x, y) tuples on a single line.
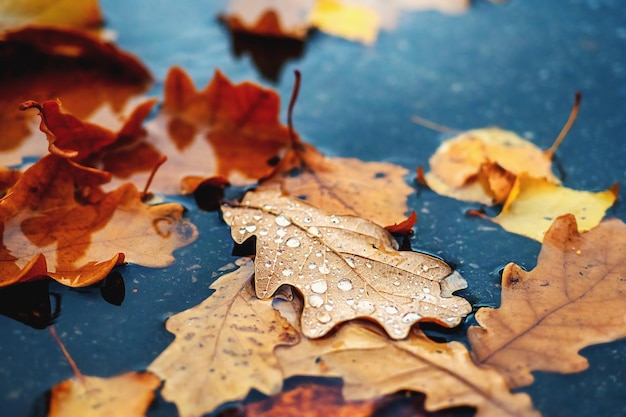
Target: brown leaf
[(346, 267), (225, 130), (126, 395), (371, 365), (223, 347), (92, 78), (376, 191), (570, 300), (57, 221)]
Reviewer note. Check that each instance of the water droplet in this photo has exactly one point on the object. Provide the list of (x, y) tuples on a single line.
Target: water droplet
[(320, 286), (324, 269), (451, 319), (314, 231), (335, 220), (323, 317), (316, 301), (227, 214), (365, 307), (397, 331), (426, 290), (350, 261), (263, 232), (292, 242), (312, 265), (287, 272), (411, 317), (350, 301), (307, 220), (369, 265), (344, 284), (278, 240), (267, 207), (281, 220), (425, 267), (281, 231), (250, 227), (268, 264), (328, 307), (425, 308), (396, 283), (391, 310), (257, 217), (242, 230), (318, 253)]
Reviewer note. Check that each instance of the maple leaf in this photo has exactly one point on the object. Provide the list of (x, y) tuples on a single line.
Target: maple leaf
[(92, 77), (346, 267), (372, 365), (225, 130), (84, 14), (125, 395), (570, 300), (533, 203), (223, 347), (57, 222)]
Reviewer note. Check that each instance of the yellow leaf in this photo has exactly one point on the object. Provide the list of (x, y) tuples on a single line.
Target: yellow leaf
[(341, 18), (223, 347), (534, 203), (77, 14), (126, 395)]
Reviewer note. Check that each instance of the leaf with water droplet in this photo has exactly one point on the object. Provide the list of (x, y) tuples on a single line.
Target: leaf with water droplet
[(347, 268)]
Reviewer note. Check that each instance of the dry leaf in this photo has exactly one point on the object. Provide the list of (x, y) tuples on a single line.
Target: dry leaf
[(463, 166), (573, 298), (84, 14), (376, 191), (126, 395), (57, 222), (372, 365), (223, 347), (225, 130), (92, 78), (534, 203), (346, 267)]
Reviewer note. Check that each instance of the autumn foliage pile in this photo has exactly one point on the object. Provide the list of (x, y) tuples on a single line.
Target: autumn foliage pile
[(327, 293)]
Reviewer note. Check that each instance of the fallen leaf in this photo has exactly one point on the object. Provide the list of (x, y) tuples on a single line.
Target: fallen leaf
[(570, 300), (92, 77), (225, 130), (464, 165), (345, 267), (223, 347), (534, 203), (372, 365), (83, 14), (126, 395), (405, 227), (57, 222)]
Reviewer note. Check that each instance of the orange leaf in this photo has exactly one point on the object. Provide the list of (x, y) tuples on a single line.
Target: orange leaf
[(84, 14), (58, 222), (572, 299), (405, 227)]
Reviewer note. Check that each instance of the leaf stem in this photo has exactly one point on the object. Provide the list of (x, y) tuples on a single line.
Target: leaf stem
[(77, 372), (155, 168), (295, 141), (570, 121)]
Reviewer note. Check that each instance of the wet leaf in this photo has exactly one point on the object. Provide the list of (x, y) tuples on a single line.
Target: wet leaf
[(225, 130), (126, 395), (372, 365), (534, 203), (573, 298), (94, 80), (343, 186), (84, 14), (481, 165), (57, 222), (223, 347), (345, 267)]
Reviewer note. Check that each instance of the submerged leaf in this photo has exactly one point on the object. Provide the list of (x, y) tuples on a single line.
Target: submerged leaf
[(126, 395), (223, 347), (572, 299), (346, 267)]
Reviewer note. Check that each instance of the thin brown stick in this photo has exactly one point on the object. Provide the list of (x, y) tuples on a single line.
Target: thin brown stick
[(570, 121), (77, 372), (292, 103), (433, 126), (155, 168)]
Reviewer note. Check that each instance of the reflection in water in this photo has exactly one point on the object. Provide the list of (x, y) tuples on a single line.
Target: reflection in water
[(269, 54), (30, 303), (113, 289)]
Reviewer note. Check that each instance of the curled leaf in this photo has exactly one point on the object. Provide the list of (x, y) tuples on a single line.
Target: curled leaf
[(345, 267)]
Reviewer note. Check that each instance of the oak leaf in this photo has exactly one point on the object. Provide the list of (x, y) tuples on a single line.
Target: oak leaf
[(372, 365), (481, 165), (570, 300), (56, 221), (126, 395), (94, 79), (223, 347), (534, 203), (345, 267)]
